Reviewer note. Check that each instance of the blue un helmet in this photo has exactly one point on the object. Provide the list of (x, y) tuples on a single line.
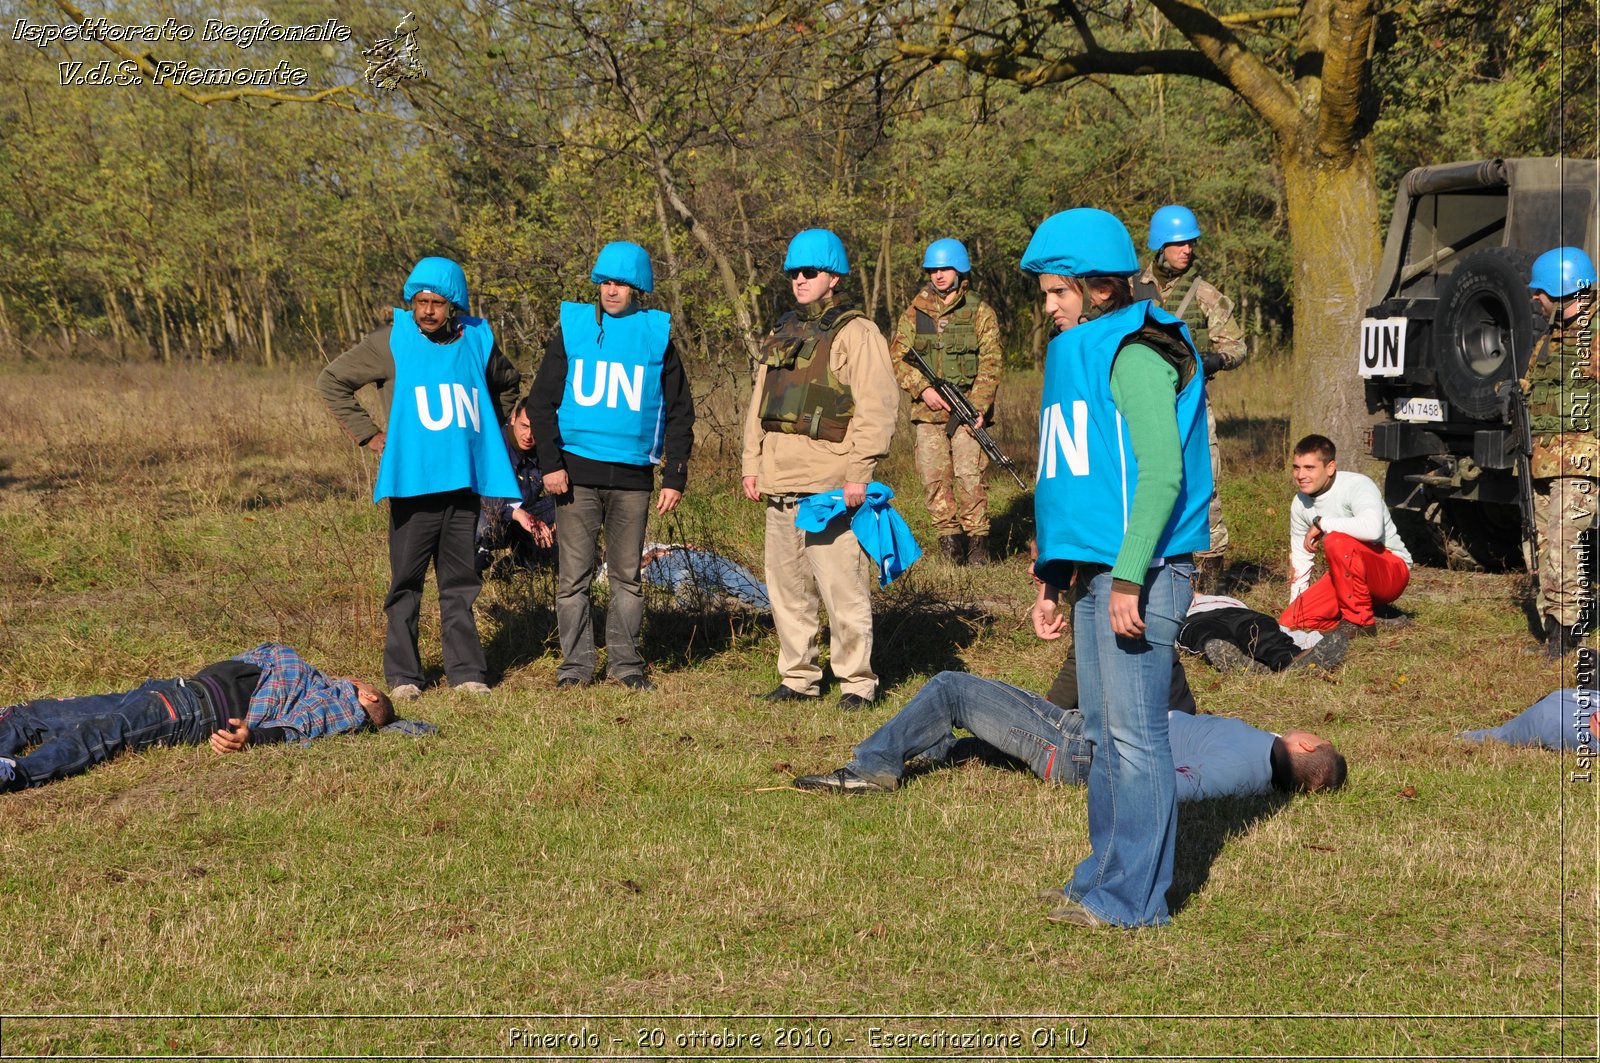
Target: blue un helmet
[(624, 263), (819, 249), (947, 254), (440, 276), (1172, 224), (1562, 272), (1081, 242)]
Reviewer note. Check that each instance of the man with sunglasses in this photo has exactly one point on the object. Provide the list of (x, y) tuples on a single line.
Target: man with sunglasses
[(821, 419)]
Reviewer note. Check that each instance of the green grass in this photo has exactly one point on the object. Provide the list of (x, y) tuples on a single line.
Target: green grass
[(605, 854)]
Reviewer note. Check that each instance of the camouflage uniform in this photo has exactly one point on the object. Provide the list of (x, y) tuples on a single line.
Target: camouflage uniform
[(1209, 315), (1562, 396), (951, 466)]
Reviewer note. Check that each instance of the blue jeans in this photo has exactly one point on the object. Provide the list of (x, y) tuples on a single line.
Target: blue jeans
[(1123, 689), (1023, 725), (693, 575), (1559, 720), (71, 735)]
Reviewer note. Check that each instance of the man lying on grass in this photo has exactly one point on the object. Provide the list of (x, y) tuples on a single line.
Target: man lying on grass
[(269, 694), (1213, 756)]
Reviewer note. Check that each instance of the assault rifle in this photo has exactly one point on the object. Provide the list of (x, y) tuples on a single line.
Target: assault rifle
[(1514, 408), (962, 412)]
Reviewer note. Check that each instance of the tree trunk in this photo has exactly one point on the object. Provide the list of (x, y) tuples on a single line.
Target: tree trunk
[(680, 323), (267, 357), (161, 318), (8, 340), (1334, 226)]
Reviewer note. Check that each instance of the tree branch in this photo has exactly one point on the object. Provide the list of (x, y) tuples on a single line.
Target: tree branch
[(1250, 18), (1015, 64), (1241, 69), (1345, 73)]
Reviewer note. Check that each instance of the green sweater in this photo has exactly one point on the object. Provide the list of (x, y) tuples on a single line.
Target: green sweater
[(1144, 387)]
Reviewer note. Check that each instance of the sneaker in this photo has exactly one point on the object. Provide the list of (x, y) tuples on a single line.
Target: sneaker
[(1055, 896), (638, 682), (1074, 914), (1353, 630), (569, 682), (785, 693), (1324, 656), (1226, 657), (473, 687), (843, 781), (855, 702), (405, 692)]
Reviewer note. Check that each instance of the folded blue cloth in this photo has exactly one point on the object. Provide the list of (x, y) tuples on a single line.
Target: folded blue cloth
[(414, 728), (1559, 720), (882, 532)]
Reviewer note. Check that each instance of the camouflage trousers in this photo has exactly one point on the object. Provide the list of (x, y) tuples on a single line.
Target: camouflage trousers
[(1564, 509), (1219, 530), (952, 468)]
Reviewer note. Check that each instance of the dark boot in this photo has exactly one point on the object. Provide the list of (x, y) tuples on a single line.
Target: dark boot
[(954, 548), (978, 550), (1558, 640)]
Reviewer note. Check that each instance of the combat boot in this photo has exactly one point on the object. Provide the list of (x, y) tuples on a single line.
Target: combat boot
[(953, 548), (1558, 640), (978, 550)]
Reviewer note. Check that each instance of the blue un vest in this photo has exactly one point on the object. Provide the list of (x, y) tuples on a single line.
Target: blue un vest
[(1087, 473), (443, 434), (611, 405)]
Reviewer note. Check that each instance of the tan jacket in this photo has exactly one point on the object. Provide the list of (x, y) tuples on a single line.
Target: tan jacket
[(786, 464)]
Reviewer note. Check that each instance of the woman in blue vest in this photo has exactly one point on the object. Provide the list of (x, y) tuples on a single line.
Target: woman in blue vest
[(1124, 481), (609, 404), (449, 391)]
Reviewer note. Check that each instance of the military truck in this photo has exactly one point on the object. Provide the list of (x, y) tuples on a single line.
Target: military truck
[(1451, 319)]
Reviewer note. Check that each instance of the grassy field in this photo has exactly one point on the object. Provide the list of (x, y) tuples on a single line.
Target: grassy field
[(602, 855)]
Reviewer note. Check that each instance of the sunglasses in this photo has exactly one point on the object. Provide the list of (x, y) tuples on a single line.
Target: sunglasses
[(808, 272)]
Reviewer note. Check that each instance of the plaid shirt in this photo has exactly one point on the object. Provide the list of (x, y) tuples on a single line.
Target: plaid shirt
[(295, 696)]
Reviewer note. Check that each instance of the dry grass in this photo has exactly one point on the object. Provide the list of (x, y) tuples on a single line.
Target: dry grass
[(612, 854)]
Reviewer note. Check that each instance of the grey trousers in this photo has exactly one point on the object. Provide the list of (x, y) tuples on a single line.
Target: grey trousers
[(581, 514)]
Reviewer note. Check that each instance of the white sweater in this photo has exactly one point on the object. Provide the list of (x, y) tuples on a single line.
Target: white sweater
[(1352, 504)]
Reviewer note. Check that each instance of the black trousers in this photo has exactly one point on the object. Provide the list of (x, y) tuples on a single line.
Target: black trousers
[(1255, 633), (437, 528)]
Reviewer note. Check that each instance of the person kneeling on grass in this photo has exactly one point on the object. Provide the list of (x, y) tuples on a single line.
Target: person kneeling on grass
[(1212, 756), (269, 694)]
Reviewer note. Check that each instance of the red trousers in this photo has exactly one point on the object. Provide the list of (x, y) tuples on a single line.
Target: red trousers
[(1358, 575)]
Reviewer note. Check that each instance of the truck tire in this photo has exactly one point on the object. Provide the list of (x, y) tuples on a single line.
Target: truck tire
[(1483, 329)]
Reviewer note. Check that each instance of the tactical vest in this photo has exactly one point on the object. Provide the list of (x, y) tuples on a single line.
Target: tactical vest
[(953, 351), (1192, 315), (801, 395), (1561, 391)]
